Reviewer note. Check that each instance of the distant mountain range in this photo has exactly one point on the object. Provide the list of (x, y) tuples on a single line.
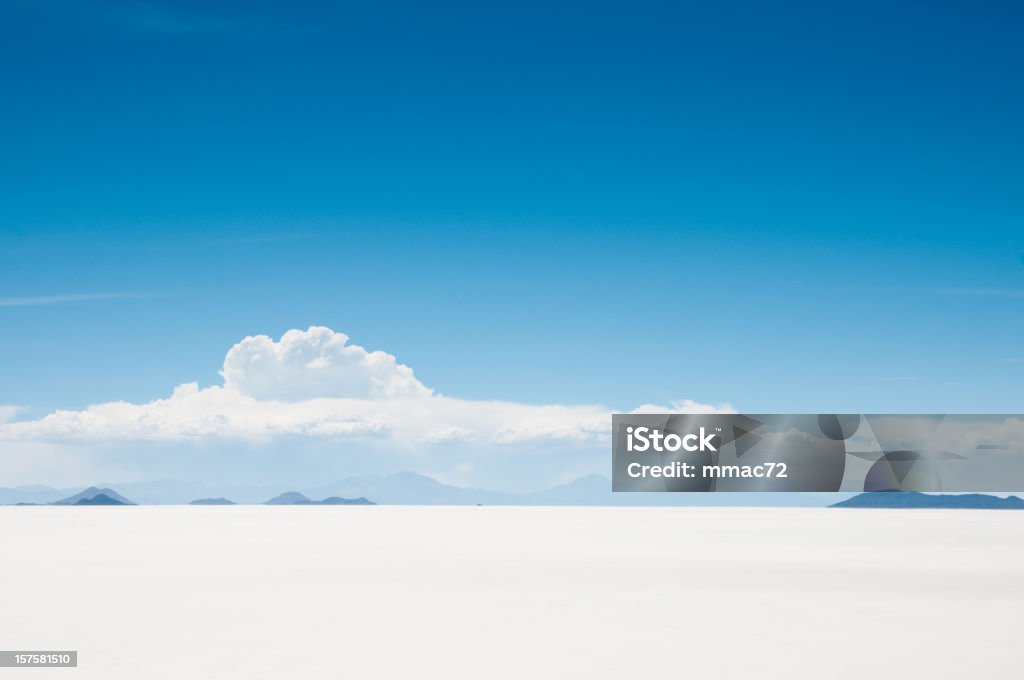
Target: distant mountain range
[(408, 488), (296, 498), (912, 499), (32, 495)]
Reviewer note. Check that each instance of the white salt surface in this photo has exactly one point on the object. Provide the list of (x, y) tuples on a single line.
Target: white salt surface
[(484, 592)]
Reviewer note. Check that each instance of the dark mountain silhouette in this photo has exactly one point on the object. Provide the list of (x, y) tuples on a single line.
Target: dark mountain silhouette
[(100, 499), (212, 501), (91, 493), (177, 492), (913, 499)]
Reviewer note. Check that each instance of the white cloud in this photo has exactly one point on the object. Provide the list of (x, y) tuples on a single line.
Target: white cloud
[(314, 384), (315, 363)]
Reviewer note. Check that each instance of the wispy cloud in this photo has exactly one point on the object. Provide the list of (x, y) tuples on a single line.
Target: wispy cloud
[(63, 299)]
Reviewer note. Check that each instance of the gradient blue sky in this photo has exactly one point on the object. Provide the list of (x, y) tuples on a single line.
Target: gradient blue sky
[(787, 207)]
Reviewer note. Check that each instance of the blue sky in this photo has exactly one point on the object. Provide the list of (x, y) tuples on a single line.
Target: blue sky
[(802, 207)]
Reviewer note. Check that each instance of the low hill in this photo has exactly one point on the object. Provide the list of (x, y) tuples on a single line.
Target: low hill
[(287, 498), (100, 499), (335, 500), (913, 499), (110, 497), (212, 501), (296, 498)]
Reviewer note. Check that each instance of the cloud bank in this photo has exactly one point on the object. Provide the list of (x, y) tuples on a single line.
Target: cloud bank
[(314, 383)]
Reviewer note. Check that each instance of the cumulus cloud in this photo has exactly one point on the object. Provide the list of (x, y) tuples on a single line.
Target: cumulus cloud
[(313, 383), (314, 363)]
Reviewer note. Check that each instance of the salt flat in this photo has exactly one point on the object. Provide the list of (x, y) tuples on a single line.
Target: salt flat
[(481, 592)]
